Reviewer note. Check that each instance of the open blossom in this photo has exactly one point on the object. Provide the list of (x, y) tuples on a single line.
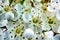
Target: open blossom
[(29, 19)]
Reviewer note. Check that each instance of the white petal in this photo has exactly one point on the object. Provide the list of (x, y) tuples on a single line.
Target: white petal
[(18, 7), (29, 33), (1, 37), (0, 1), (18, 38), (26, 17), (27, 4), (38, 0), (5, 35), (1, 8), (2, 16), (9, 16), (17, 16), (55, 0), (58, 15), (58, 31), (49, 34), (51, 9), (46, 26), (57, 37), (6, 2), (3, 23), (55, 28), (10, 25)]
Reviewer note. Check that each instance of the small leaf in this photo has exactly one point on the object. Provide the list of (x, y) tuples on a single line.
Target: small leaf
[(21, 2), (10, 2)]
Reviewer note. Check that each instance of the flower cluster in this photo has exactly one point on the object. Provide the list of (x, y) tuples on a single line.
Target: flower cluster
[(29, 19)]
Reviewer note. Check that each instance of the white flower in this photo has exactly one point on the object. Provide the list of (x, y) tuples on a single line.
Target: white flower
[(9, 16), (13, 33), (29, 33), (28, 21)]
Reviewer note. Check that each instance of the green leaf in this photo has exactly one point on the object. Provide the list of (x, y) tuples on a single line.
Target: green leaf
[(10, 2), (21, 2)]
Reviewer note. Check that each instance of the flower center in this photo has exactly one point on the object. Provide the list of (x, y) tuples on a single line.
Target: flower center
[(35, 20), (45, 1), (18, 30), (50, 21), (6, 8)]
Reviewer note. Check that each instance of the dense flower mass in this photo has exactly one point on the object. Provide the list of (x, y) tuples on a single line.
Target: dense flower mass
[(29, 19)]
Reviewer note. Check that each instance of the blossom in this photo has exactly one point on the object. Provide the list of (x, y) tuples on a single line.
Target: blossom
[(29, 19)]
